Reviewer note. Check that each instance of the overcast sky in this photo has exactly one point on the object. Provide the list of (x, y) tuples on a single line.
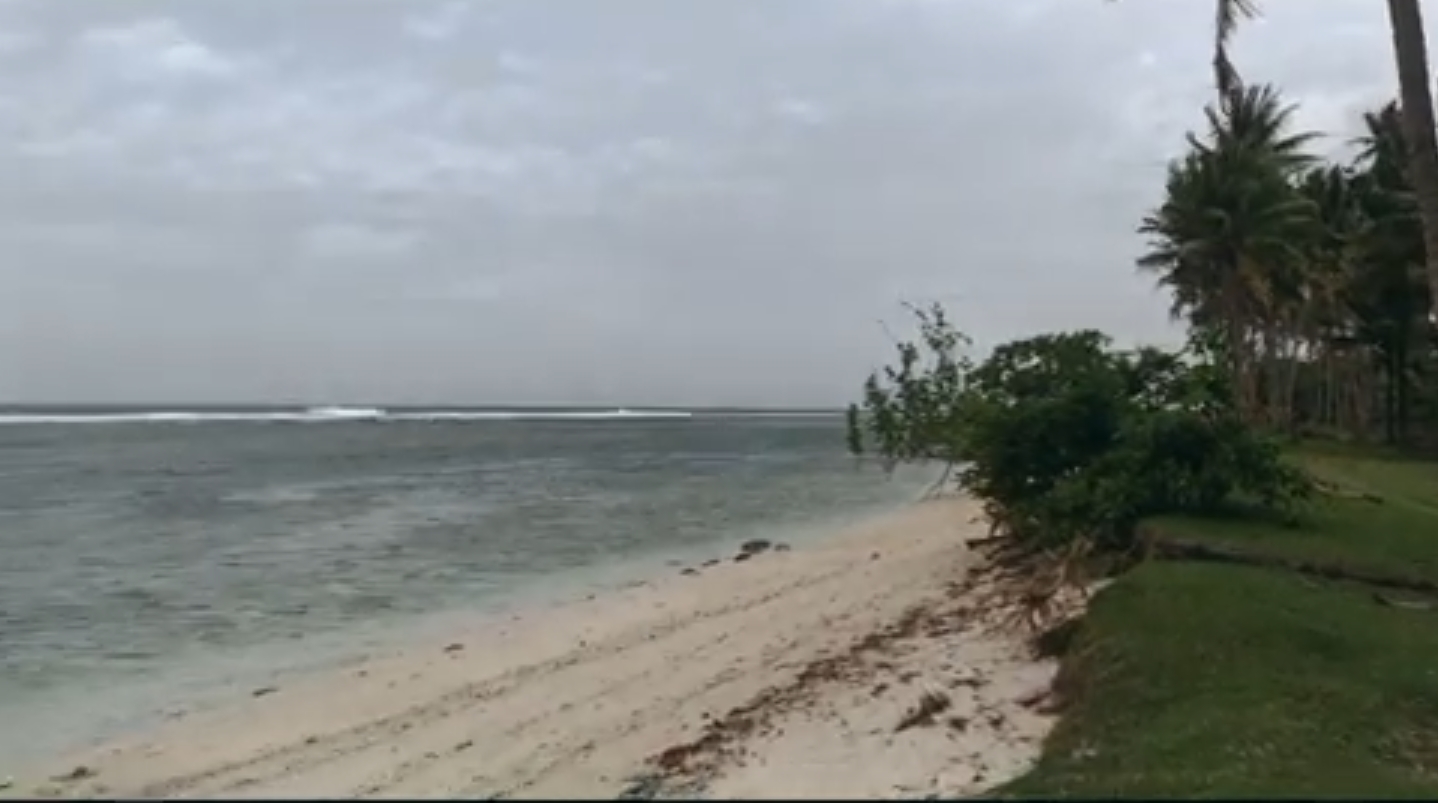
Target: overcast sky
[(566, 201)]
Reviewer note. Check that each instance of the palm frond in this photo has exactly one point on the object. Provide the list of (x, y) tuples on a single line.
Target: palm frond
[(1229, 14)]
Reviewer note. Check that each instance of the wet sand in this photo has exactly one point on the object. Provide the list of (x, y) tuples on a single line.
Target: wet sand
[(851, 667)]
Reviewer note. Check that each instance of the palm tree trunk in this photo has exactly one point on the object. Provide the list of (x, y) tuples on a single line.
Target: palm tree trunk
[(1330, 383), (1410, 49), (1289, 382), (1389, 400), (1403, 405)]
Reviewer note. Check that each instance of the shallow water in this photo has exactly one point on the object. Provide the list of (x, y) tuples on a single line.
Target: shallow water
[(144, 562)]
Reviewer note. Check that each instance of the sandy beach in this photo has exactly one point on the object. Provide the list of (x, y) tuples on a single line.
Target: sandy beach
[(846, 668)]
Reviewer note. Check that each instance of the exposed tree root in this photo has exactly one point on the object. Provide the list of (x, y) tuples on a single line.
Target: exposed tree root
[(1033, 591)]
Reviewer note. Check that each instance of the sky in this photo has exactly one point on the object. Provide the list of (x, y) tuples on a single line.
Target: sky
[(708, 202)]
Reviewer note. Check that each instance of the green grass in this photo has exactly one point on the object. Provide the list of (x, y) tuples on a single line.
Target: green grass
[(1195, 679), (1397, 536), (1403, 482)]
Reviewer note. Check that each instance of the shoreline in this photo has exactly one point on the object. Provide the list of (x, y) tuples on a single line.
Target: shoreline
[(810, 672), (71, 720)]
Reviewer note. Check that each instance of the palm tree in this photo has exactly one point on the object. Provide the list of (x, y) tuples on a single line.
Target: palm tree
[(1325, 325), (1255, 119), (1230, 235), (1229, 13), (1387, 294), (1410, 50)]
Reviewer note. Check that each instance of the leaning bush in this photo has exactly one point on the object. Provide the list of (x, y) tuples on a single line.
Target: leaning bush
[(1066, 441)]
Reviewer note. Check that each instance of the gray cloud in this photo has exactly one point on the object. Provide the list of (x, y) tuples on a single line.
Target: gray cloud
[(621, 202)]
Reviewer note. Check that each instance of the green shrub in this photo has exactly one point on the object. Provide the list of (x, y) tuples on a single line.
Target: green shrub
[(1064, 438)]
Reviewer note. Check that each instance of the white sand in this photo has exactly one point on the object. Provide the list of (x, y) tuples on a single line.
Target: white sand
[(782, 676)]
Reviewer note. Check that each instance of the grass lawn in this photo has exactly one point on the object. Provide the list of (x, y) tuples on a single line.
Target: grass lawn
[(1191, 679), (1397, 536)]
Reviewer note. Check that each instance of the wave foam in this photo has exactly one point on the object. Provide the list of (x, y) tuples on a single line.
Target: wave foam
[(319, 415)]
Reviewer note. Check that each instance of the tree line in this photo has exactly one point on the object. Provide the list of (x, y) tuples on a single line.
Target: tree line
[(1307, 286), (1308, 273)]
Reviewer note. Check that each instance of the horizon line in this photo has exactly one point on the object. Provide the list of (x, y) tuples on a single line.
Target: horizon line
[(179, 406)]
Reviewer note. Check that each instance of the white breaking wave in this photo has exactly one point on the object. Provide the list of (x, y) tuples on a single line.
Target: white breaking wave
[(534, 415), (320, 415), (345, 413)]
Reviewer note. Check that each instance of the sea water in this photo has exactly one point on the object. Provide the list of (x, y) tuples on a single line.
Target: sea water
[(153, 557)]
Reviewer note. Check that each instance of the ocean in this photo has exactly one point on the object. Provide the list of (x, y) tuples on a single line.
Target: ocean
[(155, 559)]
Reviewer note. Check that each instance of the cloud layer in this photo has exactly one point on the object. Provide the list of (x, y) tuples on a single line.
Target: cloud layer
[(507, 201)]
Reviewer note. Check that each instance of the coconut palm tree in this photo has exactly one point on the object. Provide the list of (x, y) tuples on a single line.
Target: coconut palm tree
[(1325, 327), (1410, 51), (1229, 238), (1228, 14), (1255, 119), (1387, 294)]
